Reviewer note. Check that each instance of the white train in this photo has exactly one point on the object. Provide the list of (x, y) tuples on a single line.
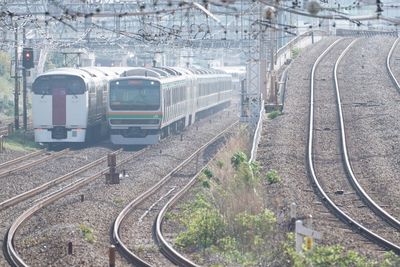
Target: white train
[(150, 103), (70, 104)]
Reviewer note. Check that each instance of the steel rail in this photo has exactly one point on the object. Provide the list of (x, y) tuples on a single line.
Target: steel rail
[(27, 165), (116, 238), (353, 180), (257, 132), (10, 162), (11, 253), (166, 248), (391, 74), (23, 196), (357, 227)]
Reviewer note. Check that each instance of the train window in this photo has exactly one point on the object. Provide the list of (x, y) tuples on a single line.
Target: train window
[(134, 94), (45, 85)]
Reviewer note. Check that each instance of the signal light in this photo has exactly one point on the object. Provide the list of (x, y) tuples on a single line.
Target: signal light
[(27, 58)]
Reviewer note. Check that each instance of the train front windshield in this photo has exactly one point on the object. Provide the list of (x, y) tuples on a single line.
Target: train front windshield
[(45, 85), (135, 94)]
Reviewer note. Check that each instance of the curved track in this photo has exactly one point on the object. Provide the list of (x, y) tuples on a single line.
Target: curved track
[(312, 162), (182, 182), (10, 252), (391, 73)]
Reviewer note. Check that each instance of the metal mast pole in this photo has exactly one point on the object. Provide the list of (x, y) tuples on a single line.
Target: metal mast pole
[(16, 88), (24, 106), (255, 69)]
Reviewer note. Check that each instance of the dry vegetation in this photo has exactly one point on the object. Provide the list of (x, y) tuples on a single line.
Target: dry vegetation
[(228, 223)]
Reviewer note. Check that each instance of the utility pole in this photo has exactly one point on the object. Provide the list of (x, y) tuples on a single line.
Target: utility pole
[(16, 89), (273, 96), (24, 106), (269, 13)]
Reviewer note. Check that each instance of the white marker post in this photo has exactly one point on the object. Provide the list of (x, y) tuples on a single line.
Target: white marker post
[(301, 232)]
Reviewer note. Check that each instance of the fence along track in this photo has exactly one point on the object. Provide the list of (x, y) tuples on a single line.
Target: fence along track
[(357, 227), (10, 252), (121, 246)]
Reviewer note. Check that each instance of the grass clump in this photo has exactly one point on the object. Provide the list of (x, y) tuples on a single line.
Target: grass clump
[(295, 52), (87, 233), (272, 115), (322, 256), (20, 141), (273, 177)]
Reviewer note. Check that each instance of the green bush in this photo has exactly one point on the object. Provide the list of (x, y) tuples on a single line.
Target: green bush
[(254, 229), (390, 260), (208, 173), (220, 164), (335, 255), (272, 177), (87, 233), (238, 158), (295, 52), (274, 114), (204, 226)]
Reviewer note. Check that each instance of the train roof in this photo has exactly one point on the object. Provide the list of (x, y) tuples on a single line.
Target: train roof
[(171, 70), (144, 72), (87, 72), (162, 72), (167, 72)]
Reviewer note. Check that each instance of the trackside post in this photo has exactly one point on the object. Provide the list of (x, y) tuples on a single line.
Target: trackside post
[(112, 177), (305, 234), (1, 143)]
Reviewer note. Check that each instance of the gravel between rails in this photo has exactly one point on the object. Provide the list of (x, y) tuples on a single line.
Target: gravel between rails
[(330, 169), (43, 242), (283, 147), (25, 180), (7, 155), (371, 111)]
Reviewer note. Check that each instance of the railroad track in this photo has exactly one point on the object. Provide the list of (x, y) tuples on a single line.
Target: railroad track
[(45, 186), (28, 160), (180, 177), (10, 252), (329, 163), (389, 68)]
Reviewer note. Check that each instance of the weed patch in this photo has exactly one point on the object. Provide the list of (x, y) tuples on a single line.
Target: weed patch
[(273, 177), (87, 233), (272, 115)]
